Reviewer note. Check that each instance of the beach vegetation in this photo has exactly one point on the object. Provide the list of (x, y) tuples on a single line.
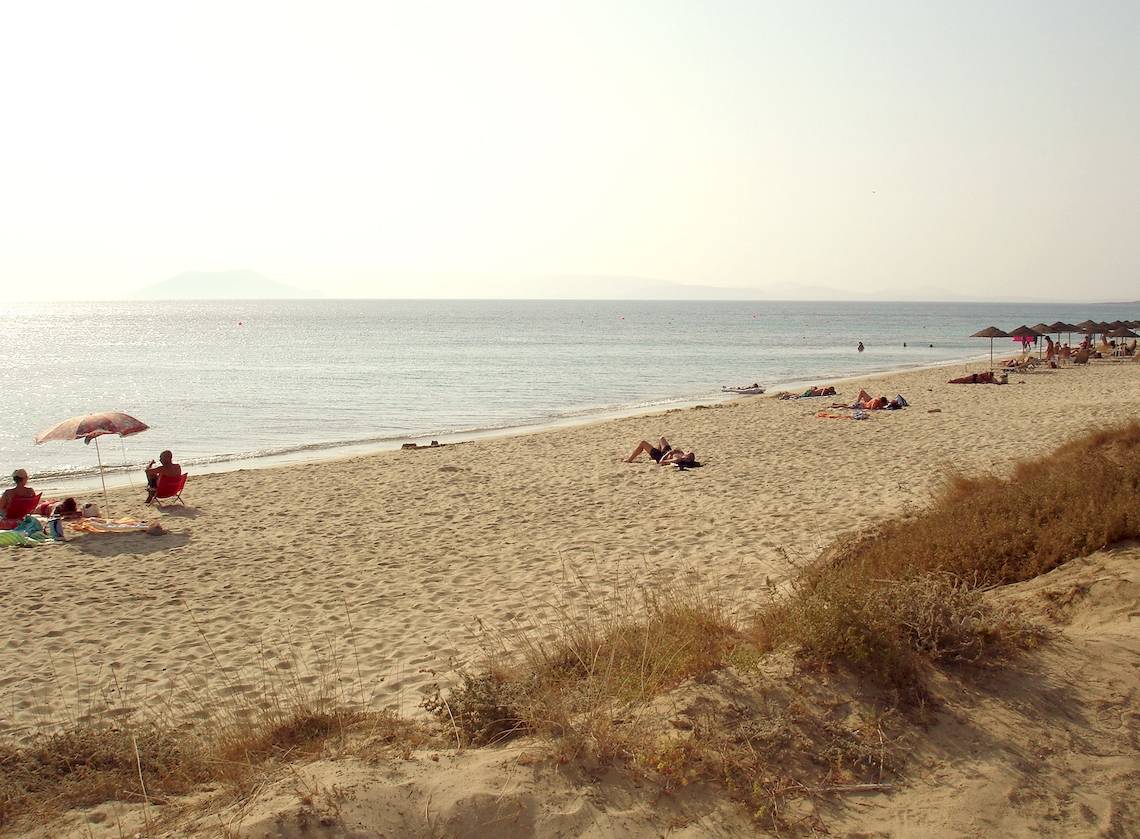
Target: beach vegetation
[(888, 607)]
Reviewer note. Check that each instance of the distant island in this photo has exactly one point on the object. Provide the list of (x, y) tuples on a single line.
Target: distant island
[(221, 285)]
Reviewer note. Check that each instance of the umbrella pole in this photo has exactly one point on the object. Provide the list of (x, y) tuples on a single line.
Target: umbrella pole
[(102, 480), (991, 355)]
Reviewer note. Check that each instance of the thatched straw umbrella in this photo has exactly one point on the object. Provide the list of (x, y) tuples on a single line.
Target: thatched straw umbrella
[(990, 332), (1123, 332)]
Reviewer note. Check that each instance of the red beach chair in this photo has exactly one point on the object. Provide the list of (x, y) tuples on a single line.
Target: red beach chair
[(170, 489), (17, 509)]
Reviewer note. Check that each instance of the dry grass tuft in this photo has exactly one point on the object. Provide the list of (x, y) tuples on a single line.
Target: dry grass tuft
[(892, 630), (993, 531), (156, 754), (87, 766), (909, 594), (580, 686)]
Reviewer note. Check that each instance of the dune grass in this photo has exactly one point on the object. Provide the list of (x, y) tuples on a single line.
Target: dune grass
[(602, 663), (890, 606), (157, 754), (990, 530)]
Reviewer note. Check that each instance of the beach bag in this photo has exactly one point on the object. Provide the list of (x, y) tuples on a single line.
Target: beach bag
[(90, 510)]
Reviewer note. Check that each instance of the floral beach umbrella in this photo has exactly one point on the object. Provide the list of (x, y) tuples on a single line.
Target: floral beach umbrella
[(90, 427)]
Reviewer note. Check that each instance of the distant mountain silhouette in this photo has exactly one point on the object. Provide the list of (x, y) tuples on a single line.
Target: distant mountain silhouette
[(221, 285)]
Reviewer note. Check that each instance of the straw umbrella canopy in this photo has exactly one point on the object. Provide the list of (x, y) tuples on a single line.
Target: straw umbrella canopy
[(1057, 327), (1088, 327), (1123, 332), (88, 427), (990, 332)]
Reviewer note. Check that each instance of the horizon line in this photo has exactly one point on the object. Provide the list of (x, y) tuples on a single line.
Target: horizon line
[(588, 300)]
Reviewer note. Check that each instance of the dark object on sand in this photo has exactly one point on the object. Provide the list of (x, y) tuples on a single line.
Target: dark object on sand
[(435, 444)]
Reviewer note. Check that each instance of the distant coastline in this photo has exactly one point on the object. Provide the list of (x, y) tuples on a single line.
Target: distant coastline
[(222, 285)]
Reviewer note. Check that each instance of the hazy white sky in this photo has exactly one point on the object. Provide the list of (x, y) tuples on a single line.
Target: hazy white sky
[(388, 149)]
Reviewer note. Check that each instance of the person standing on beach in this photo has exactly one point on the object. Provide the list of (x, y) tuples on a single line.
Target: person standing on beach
[(20, 490), (166, 468), (860, 347)]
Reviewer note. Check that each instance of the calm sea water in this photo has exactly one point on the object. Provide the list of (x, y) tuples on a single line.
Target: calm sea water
[(227, 381)]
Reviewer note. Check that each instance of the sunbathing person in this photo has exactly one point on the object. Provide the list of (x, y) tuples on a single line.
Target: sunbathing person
[(20, 490), (809, 393), (166, 468), (664, 454), (656, 452), (986, 378), (679, 458)]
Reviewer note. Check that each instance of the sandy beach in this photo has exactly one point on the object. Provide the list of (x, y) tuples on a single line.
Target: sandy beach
[(387, 564)]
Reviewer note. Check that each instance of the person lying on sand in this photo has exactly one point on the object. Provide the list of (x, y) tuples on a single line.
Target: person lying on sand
[(679, 458), (166, 468), (810, 393), (663, 453), (656, 452), (986, 378)]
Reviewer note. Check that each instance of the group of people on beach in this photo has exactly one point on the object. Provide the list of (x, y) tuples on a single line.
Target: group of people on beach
[(68, 508)]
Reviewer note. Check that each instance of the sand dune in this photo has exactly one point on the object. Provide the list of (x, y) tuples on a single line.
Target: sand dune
[(379, 568)]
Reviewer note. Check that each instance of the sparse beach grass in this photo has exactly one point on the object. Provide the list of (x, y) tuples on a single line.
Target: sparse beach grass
[(226, 740)]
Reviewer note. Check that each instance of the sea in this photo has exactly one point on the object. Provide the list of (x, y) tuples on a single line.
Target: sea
[(238, 384)]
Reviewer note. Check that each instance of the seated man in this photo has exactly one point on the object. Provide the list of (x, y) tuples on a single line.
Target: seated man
[(20, 490), (166, 468)]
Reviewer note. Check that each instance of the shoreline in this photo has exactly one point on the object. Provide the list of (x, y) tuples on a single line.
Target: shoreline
[(121, 478)]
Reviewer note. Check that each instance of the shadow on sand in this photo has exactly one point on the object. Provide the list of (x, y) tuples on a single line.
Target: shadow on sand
[(180, 511), (134, 544)]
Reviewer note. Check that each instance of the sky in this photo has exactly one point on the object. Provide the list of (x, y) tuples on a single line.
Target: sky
[(371, 149)]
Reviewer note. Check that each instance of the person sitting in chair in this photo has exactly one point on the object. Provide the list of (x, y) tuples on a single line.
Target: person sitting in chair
[(166, 468), (20, 490)]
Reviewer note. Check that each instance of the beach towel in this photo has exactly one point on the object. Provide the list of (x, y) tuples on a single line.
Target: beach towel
[(26, 534), (16, 539), (96, 525)]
